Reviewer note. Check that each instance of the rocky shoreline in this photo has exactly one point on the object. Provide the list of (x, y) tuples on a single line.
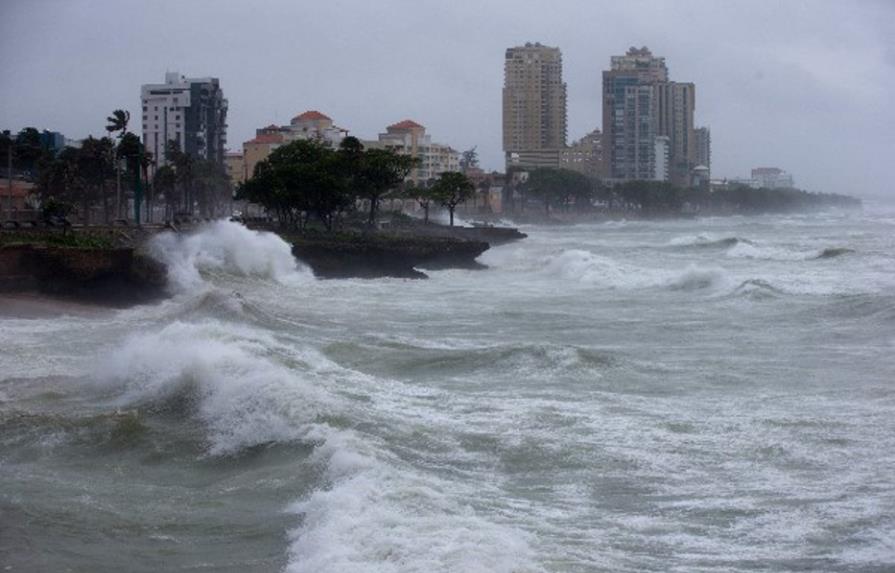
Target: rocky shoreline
[(115, 276), (88, 265), (357, 255)]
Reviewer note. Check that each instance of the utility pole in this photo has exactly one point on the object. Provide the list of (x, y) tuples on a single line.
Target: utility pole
[(138, 187), (9, 176), (117, 184)]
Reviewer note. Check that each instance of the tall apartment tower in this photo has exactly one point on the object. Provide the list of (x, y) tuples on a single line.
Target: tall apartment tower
[(630, 123), (647, 120), (704, 147), (534, 107), (191, 111)]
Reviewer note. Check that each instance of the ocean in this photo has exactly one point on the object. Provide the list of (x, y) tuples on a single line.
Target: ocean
[(697, 395)]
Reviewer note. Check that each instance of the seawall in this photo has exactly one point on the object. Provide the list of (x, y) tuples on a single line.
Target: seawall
[(107, 275)]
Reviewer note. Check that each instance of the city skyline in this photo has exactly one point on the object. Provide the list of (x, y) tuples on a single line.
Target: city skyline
[(809, 98)]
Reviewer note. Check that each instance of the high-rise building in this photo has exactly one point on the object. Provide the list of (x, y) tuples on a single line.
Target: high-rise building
[(534, 106), (640, 104), (704, 148), (190, 111), (630, 122), (676, 103)]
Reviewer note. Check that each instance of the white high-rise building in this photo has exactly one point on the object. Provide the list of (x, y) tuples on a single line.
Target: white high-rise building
[(660, 166), (191, 111)]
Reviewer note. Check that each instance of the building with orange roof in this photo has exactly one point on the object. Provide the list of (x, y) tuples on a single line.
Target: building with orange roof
[(310, 125), (408, 137)]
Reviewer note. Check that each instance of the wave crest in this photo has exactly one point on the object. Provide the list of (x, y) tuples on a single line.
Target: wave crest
[(228, 247)]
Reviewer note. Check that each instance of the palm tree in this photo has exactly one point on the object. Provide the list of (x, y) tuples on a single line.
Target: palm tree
[(118, 122)]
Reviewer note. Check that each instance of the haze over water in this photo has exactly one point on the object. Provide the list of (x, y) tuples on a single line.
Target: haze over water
[(702, 395)]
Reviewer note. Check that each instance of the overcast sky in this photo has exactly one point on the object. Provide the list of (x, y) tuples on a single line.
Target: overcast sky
[(808, 86)]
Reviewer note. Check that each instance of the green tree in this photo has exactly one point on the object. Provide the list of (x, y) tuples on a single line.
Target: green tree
[(424, 196), (27, 150), (651, 198), (118, 122), (300, 180), (96, 168), (452, 188), (164, 183), (376, 173), (184, 168), (469, 159), (560, 187)]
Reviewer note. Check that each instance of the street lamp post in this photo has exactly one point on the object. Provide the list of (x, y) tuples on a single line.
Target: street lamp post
[(138, 186)]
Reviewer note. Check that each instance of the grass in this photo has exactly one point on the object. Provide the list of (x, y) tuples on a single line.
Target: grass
[(56, 239)]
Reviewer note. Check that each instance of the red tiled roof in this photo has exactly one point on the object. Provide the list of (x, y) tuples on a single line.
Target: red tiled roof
[(406, 124), (267, 138), (19, 188), (310, 115)]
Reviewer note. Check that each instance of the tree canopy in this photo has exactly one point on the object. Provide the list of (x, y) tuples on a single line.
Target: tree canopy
[(450, 189), (306, 178), (560, 187)]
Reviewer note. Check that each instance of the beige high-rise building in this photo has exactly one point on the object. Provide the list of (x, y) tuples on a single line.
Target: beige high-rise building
[(677, 104), (534, 106)]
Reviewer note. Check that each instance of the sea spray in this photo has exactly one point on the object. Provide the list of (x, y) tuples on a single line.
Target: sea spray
[(228, 247), (544, 413), (582, 266), (225, 374)]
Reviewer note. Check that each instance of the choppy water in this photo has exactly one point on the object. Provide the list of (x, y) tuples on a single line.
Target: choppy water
[(712, 395)]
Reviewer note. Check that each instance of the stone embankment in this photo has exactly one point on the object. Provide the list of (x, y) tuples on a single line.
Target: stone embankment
[(101, 265), (350, 255)]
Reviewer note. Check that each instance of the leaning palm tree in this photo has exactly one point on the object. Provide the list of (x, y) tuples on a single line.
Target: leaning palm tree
[(118, 122)]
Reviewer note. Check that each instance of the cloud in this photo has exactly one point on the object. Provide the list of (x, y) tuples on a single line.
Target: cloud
[(803, 85)]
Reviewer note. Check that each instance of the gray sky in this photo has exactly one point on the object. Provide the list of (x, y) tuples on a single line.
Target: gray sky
[(808, 86)]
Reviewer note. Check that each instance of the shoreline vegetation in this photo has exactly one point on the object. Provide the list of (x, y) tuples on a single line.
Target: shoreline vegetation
[(324, 201)]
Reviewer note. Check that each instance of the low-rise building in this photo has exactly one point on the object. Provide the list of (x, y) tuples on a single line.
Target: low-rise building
[(772, 178), (585, 155), (17, 198), (258, 149)]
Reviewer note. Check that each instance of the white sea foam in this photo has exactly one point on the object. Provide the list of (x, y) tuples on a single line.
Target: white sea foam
[(586, 267), (371, 513), (243, 398), (697, 278), (771, 253), (376, 519), (228, 247)]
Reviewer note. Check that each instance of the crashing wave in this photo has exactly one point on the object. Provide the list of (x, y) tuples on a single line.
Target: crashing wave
[(227, 247), (700, 278)]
